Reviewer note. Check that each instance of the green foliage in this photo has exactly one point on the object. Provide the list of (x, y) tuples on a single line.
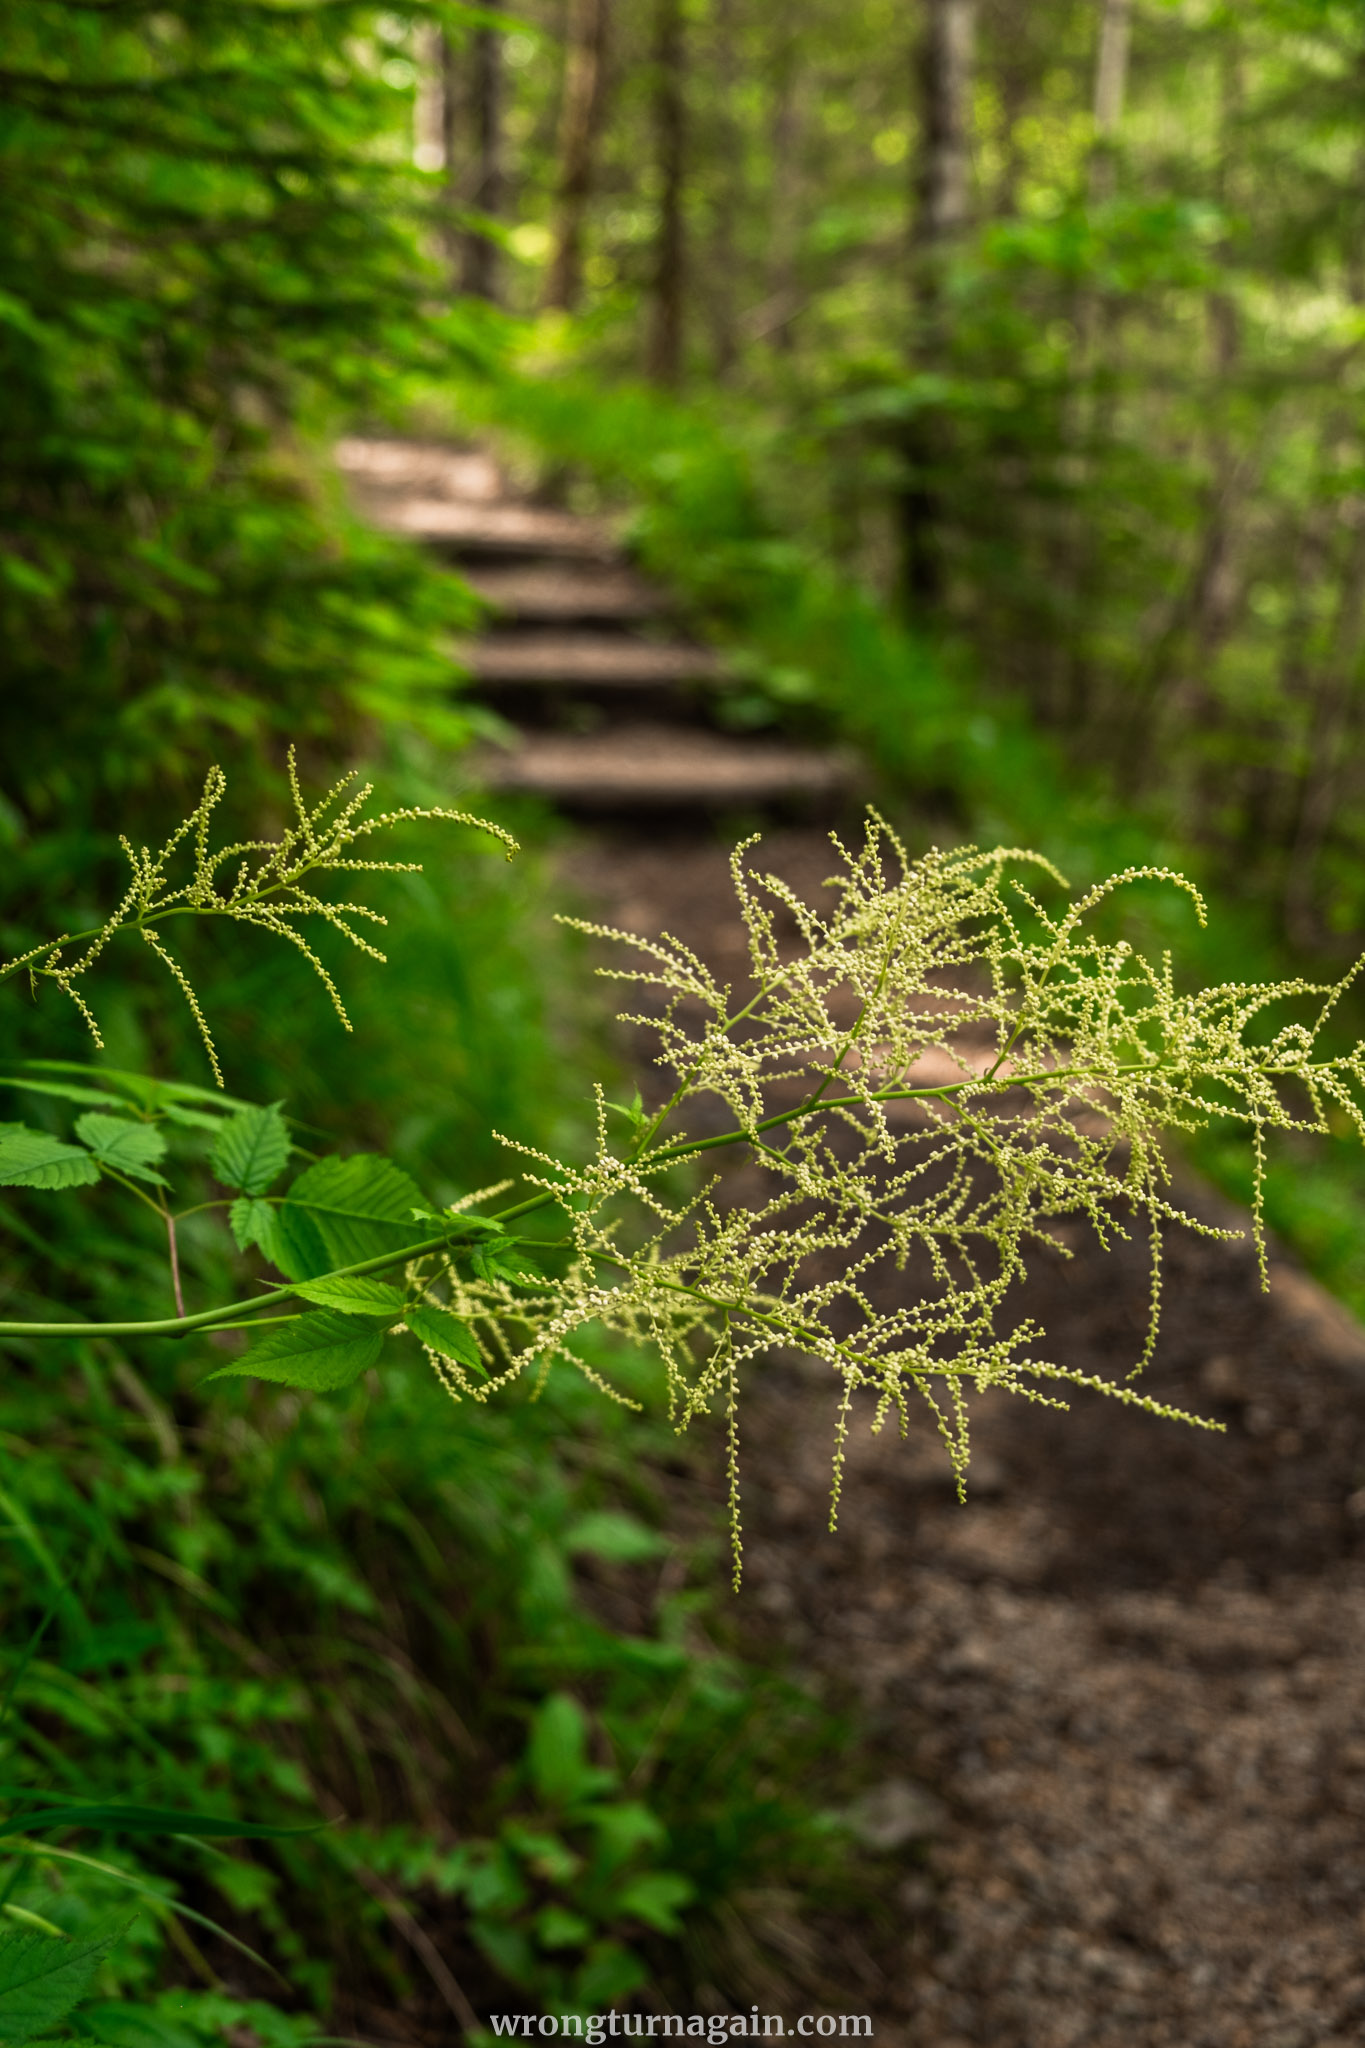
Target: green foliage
[(550, 1893), (42, 1976), (320, 1352), (211, 240), (260, 1601), (121, 1146), (33, 1159), (342, 1211), (447, 1335), (1100, 432), (251, 1150)]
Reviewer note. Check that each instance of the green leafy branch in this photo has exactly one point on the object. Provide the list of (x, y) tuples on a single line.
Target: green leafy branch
[(928, 1074)]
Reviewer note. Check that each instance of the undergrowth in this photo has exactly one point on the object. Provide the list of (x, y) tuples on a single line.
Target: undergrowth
[(260, 1606)]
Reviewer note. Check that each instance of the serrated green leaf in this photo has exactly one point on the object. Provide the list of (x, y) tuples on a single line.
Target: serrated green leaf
[(119, 1143), (251, 1149), (341, 1211), (447, 1334), (252, 1221), (34, 1159), (322, 1352), (355, 1297), (503, 1260), (42, 1979)]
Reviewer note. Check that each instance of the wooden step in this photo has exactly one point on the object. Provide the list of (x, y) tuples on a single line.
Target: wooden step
[(649, 767), (588, 660), (566, 592), (422, 469), (496, 529)]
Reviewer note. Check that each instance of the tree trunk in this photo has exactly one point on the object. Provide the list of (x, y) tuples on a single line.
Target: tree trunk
[(729, 190), (1111, 67), (784, 226), (580, 126), (1111, 90), (452, 229), (945, 112), (485, 185), (1333, 708), (943, 194), (663, 353)]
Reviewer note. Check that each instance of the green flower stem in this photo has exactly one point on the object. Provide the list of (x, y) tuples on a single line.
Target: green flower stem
[(232, 1313), (668, 1155)]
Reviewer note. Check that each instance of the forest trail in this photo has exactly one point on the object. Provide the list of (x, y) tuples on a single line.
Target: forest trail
[(613, 707), (1113, 1709)]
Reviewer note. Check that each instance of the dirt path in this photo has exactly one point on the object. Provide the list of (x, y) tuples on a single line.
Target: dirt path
[(1116, 1704)]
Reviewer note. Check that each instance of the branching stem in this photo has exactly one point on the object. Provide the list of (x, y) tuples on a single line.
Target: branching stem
[(182, 1325)]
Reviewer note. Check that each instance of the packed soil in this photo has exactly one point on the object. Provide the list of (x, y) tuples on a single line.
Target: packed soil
[(1112, 1709)]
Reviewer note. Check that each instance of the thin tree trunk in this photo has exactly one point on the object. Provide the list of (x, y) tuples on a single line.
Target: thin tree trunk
[(580, 127), (943, 195), (1111, 90), (485, 194), (1088, 414), (1111, 67), (1334, 703), (664, 349), (783, 230), (729, 189), (1202, 619), (946, 54), (452, 230)]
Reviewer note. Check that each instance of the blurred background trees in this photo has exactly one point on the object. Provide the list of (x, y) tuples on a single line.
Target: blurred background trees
[(1060, 311)]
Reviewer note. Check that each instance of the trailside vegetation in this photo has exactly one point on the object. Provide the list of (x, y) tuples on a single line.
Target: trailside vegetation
[(928, 1071)]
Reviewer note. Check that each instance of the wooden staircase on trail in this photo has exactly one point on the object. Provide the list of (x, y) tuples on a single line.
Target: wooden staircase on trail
[(614, 708)]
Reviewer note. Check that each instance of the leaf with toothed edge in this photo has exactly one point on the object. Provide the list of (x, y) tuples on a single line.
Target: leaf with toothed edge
[(447, 1334), (252, 1221), (341, 1211), (355, 1297), (35, 1159), (43, 1977), (322, 1352), (122, 1145), (251, 1149)]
